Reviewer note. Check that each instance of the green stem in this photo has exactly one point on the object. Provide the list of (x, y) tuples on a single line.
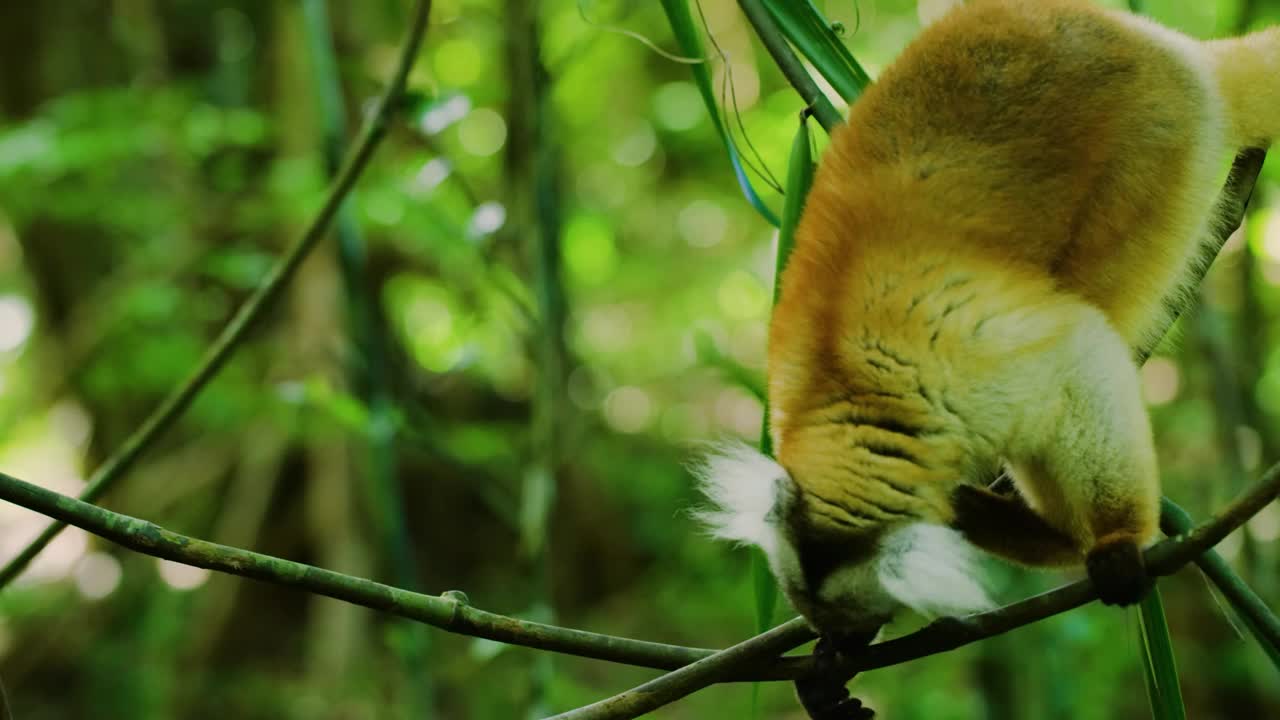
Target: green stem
[(233, 335), (534, 202), (369, 373), (825, 113), (449, 612), (1264, 623), (691, 678)]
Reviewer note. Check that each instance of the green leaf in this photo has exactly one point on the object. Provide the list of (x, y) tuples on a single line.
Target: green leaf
[(766, 596), (800, 170), (804, 27), (1159, 666), (799, 179), (690, 41)]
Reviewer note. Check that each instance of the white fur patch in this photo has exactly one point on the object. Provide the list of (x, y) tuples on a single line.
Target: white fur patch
[(742, 484), (933, 570)]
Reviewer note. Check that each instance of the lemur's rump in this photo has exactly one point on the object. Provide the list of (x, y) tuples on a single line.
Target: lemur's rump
[(1004, 217)]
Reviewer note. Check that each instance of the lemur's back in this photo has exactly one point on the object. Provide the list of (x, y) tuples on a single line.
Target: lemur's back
[(1051, 134)]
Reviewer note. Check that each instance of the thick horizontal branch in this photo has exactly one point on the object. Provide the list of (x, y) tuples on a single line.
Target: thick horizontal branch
[(231, 337)]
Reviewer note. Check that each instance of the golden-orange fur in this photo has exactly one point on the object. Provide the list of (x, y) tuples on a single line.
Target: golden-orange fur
[(1006, 214)]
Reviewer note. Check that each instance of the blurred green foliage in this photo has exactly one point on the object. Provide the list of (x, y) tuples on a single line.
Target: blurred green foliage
[(156, 155)]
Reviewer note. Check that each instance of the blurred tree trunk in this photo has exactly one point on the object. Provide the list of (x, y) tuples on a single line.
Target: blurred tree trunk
[(533, 195), (337, 634)]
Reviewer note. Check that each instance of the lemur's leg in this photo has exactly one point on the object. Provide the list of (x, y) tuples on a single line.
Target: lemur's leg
[(1084, 456), (1004, 525), (823, 694)]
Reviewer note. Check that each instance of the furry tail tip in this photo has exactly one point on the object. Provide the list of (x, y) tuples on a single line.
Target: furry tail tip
[(743, 486), (933, 570)]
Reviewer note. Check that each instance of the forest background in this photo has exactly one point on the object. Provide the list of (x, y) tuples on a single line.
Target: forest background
[(406, 413)]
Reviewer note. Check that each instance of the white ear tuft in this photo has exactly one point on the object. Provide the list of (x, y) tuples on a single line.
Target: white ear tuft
[(933, 570), (743, 485)]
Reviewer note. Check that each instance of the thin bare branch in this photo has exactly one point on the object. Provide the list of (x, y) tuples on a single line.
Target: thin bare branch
[(449, 612), (708, 671), (235, 332)]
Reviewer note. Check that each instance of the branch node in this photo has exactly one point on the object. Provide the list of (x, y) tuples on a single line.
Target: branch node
[(459, 600)]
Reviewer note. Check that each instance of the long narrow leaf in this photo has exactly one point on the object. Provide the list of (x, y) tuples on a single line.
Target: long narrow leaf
[(799, 180), (690, 41), (1158, 664), (805, 27), (766, 597)]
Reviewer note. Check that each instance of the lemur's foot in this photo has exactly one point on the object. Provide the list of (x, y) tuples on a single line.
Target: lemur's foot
[(1116, 568), (823, 694)]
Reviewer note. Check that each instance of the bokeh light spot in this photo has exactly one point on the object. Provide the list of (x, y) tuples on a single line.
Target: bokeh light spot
[(97, 575), (678, 106), (607, 329), (458, 62), (628, 409), (179, 576), (483, 132), (702, 223), (16, 322), (1161, 380), (590, 253), (432, 173), (637, 147), (443, 114), (1265, 526), (742, 296), (487, 219), (739, 411)]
